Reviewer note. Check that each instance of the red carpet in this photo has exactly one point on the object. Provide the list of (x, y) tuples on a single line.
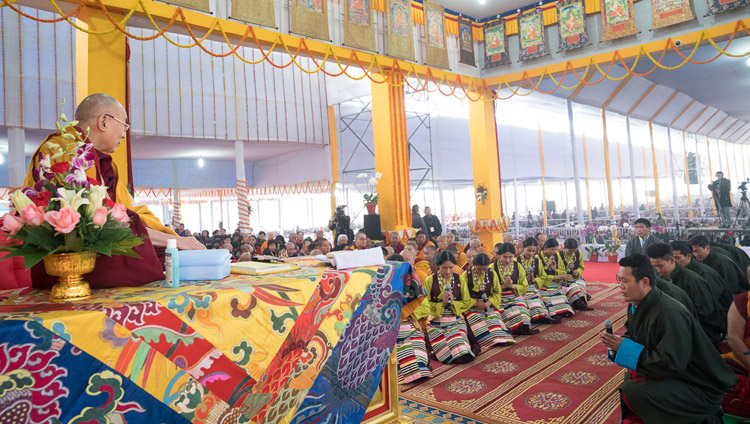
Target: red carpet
[(604, 272), (560, 375)]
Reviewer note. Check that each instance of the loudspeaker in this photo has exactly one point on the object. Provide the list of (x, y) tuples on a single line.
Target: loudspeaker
[(372, 227)]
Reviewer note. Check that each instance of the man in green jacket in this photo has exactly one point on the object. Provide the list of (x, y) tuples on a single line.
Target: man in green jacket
[(675, 375), (683, 254), (734, 278), (709, 312)]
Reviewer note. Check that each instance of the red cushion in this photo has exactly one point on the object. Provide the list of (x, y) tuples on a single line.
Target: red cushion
[(12, 274)]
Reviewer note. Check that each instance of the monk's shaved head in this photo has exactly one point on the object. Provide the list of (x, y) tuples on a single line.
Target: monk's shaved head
[(95, 105)]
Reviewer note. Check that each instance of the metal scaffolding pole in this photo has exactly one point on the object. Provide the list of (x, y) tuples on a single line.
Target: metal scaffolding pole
[(675, 200), (515, 205), (632, 170), (576, 175), (700, 183)]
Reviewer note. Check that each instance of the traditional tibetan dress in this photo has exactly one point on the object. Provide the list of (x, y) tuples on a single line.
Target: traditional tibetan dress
[(486, 324), (515, 311), (449, 338), (411, 347), (552, 292), (566, 264), (537, 305)]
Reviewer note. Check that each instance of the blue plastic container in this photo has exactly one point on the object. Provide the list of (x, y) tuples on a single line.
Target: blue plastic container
[(199, 265)]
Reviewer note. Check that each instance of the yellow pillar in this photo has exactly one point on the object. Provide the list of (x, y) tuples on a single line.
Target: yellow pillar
[(607, 170), (657, 200), (101, 68), (586, 161), (485, 164), (391, 153), (334, 146), (544, 190), (687, 176)]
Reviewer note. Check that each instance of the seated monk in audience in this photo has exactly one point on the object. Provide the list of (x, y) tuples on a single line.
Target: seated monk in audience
[(443, 245), (324, 246), (102, 124), (737, 400), (450, 238), (422, 242), (470, 254), (421, 265), (395, 242), (507, 238), (480, 246), (360, 242), (675, 374)]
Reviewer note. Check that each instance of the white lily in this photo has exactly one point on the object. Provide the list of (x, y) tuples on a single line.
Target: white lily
[(97, 194), (71, 198), (362, 176), (378, 175), (372, 181), (20, 200)]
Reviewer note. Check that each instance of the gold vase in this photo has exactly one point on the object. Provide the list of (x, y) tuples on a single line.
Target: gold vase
[(69, 268)]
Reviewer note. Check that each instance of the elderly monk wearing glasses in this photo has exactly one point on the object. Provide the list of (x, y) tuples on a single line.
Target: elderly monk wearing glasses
[(102, 123)]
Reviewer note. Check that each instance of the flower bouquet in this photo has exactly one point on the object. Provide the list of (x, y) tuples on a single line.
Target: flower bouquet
[(66, 212), (481, 193), (371, 197)]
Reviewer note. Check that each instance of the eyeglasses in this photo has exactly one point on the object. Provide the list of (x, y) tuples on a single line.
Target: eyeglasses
[(124, 124)]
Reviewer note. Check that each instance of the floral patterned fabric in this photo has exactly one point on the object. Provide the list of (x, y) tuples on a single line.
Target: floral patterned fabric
[(243, 349)]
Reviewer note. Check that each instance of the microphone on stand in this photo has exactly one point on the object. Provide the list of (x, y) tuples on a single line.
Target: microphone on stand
[(608, 329)]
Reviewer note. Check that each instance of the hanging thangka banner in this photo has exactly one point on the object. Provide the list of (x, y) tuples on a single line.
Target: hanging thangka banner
[(436, 52), (617, 19), (495, 45), (359, 31), (400, 38), (531, 35), (465, 43), (670, 12), (258, 12), (200, 5), (310, 18), (718, 6), (571, 24)]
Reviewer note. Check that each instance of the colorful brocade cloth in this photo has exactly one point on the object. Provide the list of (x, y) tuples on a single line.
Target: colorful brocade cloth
[(292, 347)]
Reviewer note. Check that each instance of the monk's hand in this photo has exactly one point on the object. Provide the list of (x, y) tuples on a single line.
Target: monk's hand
[(610, 340), (189, 243)]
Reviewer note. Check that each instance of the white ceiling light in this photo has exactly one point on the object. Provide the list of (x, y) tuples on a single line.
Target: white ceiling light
[(481, 1), (2, 158), (200, 162), (748, 61)]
